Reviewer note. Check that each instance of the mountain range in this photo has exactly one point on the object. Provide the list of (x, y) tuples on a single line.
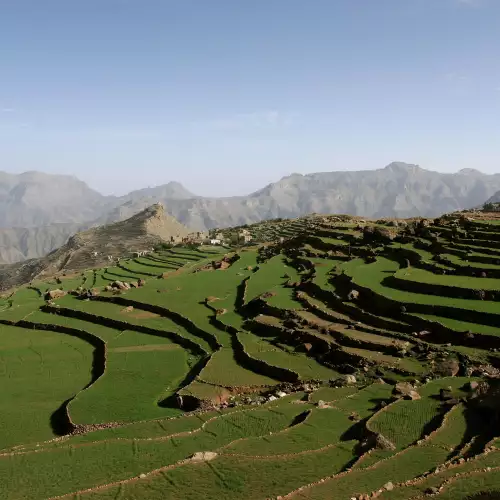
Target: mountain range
[(39, 212)]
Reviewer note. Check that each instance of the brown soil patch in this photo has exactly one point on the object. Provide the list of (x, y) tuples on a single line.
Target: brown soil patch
[(143, 348), (143, 315), (483, 215), (68, 276), (138, 314)]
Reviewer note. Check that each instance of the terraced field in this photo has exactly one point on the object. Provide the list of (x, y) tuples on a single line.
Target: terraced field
[(339, 359)]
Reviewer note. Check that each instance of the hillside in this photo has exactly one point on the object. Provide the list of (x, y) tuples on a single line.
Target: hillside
[(341, 358), (398, 190), (98, 246)]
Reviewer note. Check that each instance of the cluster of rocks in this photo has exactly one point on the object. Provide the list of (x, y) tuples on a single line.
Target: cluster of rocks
[(487, 371), (389, 486), (321, 404), (79, 429), (261, 399), (124, 286), (85, 293), (225, 263), (280, 391)]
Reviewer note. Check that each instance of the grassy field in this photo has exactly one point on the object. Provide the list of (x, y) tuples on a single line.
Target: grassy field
[(39, 370), (137, 379), (188, 387)]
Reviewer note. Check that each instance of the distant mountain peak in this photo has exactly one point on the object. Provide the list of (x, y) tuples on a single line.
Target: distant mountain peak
[(172, 190), (175, 184), (470, 171), (401, 166)]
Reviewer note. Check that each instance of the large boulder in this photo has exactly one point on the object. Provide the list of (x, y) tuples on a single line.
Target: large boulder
[(379, 234), (406, 391), (447, 368), (203, 456), (55, 294), (382, 443), (120, 285)]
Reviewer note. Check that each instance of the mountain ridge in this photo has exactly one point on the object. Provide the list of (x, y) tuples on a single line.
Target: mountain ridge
[(396, 190)]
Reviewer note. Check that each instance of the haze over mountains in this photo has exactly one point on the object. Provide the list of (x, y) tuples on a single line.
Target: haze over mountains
[(38, 212)]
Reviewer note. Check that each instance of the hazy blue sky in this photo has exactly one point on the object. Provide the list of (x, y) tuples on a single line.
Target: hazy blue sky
[(228, 95)]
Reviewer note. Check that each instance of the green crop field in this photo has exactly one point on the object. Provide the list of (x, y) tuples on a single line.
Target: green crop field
[(334, 359)]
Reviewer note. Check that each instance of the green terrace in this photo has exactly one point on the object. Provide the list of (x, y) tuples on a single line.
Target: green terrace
[(303, 368)]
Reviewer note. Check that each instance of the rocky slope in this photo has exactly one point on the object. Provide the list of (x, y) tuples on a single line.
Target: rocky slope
[(495, 198), (398, 190), (18, 244), (97, 247)]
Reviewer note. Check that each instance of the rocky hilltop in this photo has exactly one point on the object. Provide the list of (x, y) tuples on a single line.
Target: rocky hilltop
[(99, 246)]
